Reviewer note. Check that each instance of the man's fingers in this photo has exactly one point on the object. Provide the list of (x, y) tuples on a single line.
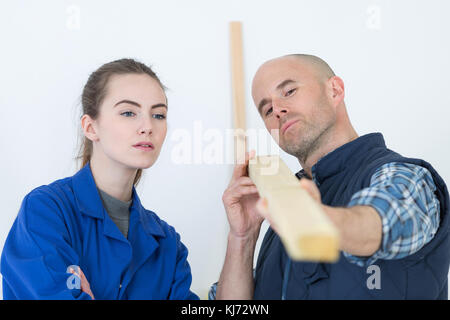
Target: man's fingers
[(262, 207), (311, 188), (240, 169), (242, 186), (244, 191), (243, 181)]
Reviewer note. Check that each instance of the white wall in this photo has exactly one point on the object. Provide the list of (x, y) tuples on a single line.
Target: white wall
[(392, 55)]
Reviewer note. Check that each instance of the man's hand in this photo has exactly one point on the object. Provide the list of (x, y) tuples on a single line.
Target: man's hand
[(359, 226), (240, 200), (262, 205)]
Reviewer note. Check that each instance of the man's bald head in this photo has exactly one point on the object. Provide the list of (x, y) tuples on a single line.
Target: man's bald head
[(307, 66), (321, 68), (300, 96)]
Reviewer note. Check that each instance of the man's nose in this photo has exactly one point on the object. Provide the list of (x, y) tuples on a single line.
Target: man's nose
[(279, 109)]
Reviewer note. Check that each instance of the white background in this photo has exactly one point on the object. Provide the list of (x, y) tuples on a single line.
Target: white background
[(394, 57)]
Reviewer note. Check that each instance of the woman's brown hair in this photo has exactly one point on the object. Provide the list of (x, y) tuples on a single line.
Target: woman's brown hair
[(94, 92)]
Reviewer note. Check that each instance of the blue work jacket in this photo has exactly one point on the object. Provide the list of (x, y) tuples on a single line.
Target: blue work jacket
[(65, 224)]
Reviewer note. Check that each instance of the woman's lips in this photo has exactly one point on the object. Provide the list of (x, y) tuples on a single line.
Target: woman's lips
[(144, 146)]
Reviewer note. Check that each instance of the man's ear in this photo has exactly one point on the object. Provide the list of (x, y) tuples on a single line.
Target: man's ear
[(336, 87), (89, 128)]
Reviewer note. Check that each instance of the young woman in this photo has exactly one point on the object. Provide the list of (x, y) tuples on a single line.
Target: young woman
[(88, 236)]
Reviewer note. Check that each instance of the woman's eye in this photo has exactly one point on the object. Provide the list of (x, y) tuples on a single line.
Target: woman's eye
[(290, 92), (159, 116), (127, 114), (269, 111)]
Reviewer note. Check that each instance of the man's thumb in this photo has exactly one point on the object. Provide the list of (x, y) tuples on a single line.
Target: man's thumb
[(311, 188)]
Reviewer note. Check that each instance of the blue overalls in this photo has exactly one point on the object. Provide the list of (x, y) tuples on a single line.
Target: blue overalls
[(64, 224)]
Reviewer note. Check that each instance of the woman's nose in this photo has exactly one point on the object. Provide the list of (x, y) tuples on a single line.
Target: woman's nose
[(146, 127), (145, 131)]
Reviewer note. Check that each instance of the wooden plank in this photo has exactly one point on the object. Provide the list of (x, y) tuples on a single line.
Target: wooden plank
[(238, 89), (305, 230)]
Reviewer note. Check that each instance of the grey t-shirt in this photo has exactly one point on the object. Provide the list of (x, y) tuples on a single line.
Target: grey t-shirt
[(118, 211)]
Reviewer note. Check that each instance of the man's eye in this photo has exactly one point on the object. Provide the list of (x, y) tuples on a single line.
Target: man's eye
[(269, 111), (127, 114), (159, 116), (290, 92)]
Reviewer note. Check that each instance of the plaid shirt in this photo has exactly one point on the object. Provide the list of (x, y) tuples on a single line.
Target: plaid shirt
[(403, 195)]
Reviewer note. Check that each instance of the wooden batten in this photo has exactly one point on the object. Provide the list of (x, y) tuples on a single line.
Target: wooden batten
[(305, 230)]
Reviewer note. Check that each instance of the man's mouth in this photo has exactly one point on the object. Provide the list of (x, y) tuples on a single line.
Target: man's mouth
[(286, 125)]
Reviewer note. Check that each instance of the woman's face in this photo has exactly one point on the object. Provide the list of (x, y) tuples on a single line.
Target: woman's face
[(131, 126)]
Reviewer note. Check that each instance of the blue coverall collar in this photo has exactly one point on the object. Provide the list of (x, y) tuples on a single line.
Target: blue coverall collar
[(89, 201)]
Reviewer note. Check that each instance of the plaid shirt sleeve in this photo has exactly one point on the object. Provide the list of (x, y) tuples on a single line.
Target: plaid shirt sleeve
[(212, 291), (403, 195)]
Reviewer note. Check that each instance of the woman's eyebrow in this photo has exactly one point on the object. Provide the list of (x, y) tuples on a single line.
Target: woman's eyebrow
[(158, 105), (129, 102)]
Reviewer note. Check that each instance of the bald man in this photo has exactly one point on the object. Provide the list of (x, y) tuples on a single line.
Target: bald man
[(392, 212)]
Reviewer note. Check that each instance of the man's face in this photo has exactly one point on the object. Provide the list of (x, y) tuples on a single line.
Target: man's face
[(293, 103)]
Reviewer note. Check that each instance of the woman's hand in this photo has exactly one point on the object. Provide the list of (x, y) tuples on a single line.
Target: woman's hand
[(85, 287)]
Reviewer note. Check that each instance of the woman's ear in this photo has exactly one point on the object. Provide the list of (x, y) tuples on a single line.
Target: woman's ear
[(89, 128)]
